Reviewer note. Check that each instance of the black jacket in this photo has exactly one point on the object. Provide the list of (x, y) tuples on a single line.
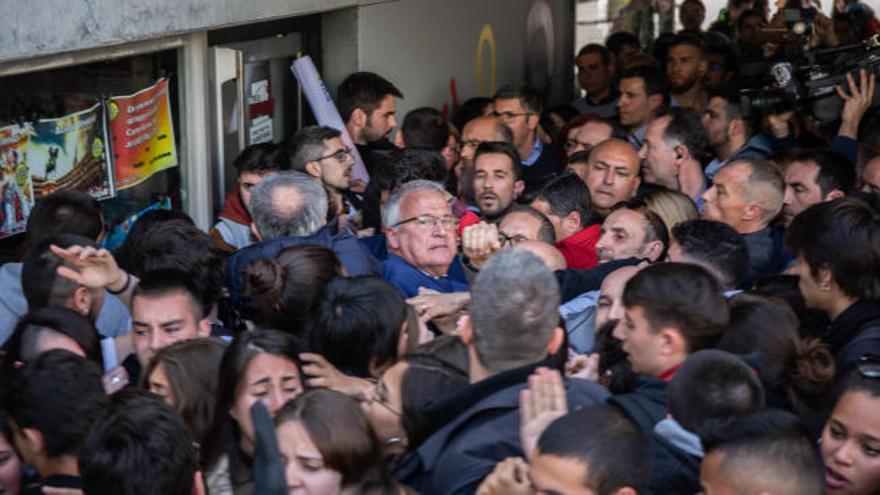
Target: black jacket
[(647, 405), (456, 458), (854, 333)]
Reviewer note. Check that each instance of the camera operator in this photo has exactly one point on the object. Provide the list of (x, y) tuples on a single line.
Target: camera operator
[(857, 97)]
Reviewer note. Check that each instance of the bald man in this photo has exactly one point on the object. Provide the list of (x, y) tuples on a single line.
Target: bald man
[(546, 252), (584, 314), (482, 129), (612, 174), (747, 194)]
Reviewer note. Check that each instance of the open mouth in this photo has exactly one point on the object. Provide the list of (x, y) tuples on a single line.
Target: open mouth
[(833, 479)]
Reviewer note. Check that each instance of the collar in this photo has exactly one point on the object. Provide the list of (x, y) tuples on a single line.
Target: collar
[(536, 152), (611, 98), (587, 235), (579, 249), (849, 324), (234, 208), (667, 375), (393, 258), (445, 410)]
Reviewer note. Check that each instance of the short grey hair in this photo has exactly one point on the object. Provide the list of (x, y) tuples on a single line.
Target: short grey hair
[(299, 214), (391, 209), (765, 185), (514, 310), (308, 145)]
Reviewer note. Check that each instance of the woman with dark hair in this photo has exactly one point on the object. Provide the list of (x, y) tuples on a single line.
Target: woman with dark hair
[(286, 289), (395, 404), (50, 328), (10, 462), (357, 326), (837, 249), (257, 366), (329, 447), (849, 444), (795, 372), (185, 375)]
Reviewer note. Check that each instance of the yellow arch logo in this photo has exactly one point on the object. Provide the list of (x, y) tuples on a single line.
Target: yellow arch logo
[(487, 37)]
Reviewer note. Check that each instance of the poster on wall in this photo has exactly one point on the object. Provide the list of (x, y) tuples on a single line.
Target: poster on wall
[(70, 152), (16, 187), (141, 134)]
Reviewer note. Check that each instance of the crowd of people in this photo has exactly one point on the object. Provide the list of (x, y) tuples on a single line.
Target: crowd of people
[(652, 290)]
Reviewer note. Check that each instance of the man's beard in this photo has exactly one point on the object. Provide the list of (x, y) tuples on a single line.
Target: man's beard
[(684, 87)]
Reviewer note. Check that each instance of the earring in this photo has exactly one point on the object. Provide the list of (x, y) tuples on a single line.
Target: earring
[(825, 286)]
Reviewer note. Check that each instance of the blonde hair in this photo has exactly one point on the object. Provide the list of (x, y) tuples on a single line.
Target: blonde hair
[(672, 206)]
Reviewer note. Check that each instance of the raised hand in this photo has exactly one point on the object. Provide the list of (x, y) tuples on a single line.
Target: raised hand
[(479, 242), (539, 405), (857, 101), (321, 373)]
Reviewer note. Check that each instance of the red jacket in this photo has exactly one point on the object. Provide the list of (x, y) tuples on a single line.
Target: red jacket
[(579, 249)]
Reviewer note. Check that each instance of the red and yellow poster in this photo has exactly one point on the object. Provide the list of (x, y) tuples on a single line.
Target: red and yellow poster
[(16, 188), (141, 134)]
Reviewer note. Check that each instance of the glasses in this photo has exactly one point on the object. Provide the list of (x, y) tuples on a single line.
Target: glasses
[(473, 143), (430, 221), (513, 240), (572, 144), (869, 366), (339, 155), (373, 396), (508, 116)]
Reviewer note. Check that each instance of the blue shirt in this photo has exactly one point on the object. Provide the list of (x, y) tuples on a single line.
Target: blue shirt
[(408, 278)]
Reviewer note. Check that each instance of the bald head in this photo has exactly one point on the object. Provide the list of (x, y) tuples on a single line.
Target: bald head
[(612, 174), (480, 130), (545, 252), (746, 194)]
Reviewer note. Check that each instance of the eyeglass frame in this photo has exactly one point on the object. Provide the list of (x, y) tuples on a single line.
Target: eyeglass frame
[(346, 152), (508, 116), (512, 239), (571, 144), (434, 221)]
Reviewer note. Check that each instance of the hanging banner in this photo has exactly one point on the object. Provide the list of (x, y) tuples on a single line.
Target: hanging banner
[(16, 187), (325, 110), (70, 152), (141, 134)]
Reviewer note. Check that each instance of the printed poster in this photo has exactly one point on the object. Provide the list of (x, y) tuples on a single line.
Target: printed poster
[(70, 152), (141, 134), (16, 187)]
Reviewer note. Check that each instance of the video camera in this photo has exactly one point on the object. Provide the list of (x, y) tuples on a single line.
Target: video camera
[(808, 84)]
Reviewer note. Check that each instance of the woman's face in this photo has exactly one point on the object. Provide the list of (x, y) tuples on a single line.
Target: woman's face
[(158, 383), (383, 405), (271, 379), (10, 468), (303, 463), (450, 152), (851, 446)]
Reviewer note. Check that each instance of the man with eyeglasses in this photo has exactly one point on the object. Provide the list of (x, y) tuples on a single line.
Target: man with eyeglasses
[(519, 108), (320, 152), (589, 134), (420, 230)]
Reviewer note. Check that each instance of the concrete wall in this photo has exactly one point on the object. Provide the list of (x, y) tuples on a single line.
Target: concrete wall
[(421, 44), (30, 29)]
